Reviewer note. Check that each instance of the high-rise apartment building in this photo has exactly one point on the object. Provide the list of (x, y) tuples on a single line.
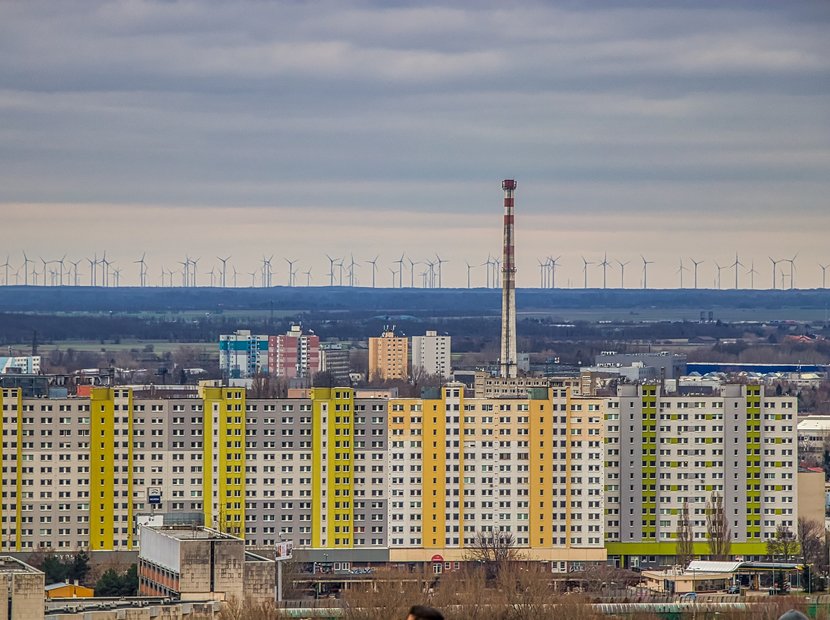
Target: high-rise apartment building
[(662, 452), (334, 359), (243, 355), (388, 357), (22, 364), (432, 354), (294, 354)]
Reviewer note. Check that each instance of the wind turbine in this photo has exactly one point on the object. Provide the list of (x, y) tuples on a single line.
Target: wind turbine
[(394, 273), (431, 271), (735, 265), (234, 276), (823, 274), (752, 271), (680, 270), (211, 274), (26, 262), (61, 263), (45, 262), (308, 277), (352, 274), (374, 264), (543, 271), (75, 265), (585, 264), (412, 264), (290, 270), (253, 278), (195, 263), (185, 270), (331, 269), (604, 264), (399, 262), (340, 268), (441, 261), (224, 262), (791, 261), (469, 268), (497, 272), (554, 263), (622, 271), (6, 265), (719, 268), (774, 265), (646, 263), (266, 271), (142, 270), (488, 262), (93, 264), (696, 263)]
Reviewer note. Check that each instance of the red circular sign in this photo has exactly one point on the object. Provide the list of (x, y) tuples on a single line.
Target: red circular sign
[(438, 558)]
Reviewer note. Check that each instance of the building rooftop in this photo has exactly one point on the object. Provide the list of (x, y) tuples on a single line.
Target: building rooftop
[(9, 564), (184, 532)]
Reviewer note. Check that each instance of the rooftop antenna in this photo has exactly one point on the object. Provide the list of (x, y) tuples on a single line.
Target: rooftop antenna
[(374, 264), (735, 265), (696, 263), (604, 264), (646, 263), (224, 262), (622, 271)]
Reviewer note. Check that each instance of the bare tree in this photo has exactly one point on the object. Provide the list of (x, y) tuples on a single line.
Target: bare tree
[(811, 541), (493, 550), (685, 548), (717, 528), (389, 595), (784, 544)]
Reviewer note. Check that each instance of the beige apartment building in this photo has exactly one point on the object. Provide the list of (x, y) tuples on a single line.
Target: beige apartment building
[(388, 357)]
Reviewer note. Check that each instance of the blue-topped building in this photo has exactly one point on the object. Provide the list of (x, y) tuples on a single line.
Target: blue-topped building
[(243, 355)]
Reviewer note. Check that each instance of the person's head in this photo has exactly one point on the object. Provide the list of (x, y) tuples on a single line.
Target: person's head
[(422, 612), (793, 615)]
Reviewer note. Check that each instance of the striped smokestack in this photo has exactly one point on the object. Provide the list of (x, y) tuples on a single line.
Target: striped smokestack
[(507, 363)]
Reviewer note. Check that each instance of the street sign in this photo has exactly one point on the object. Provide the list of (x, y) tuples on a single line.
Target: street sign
[(154, 496)]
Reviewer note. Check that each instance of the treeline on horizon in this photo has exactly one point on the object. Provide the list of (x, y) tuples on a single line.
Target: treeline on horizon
[(403, 300)]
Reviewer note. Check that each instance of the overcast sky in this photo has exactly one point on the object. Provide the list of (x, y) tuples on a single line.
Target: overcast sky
[(295, 129)]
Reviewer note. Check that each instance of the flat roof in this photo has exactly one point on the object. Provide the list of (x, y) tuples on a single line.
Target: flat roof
[(184, 532), (9, 564)]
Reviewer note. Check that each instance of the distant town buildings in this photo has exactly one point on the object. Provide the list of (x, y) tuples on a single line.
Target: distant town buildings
[(388, 357), (25, 365), (294, 354), (243, 355), (335, 360), (662, 365), (432, 354)]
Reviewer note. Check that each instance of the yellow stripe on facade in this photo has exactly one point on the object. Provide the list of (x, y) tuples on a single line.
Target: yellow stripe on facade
[(101, 468), (434, 471)]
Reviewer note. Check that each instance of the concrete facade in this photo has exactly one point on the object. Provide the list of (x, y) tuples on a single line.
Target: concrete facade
[(667, 365), (21, 590), (432, 354)]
